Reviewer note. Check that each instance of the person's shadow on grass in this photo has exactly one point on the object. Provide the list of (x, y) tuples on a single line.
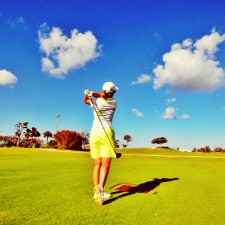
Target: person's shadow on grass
[(127, 189)]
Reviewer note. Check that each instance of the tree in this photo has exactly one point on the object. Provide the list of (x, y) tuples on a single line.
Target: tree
[(159, 140), (35, 132), (20, 126), (67, 139), (31, 138), (128, 139), (32, 133), (47, 134)]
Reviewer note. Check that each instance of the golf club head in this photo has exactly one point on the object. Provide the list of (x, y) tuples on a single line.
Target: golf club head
[(118, 155)]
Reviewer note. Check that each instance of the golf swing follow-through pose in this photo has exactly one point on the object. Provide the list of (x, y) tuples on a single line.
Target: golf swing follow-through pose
[(102, 136)]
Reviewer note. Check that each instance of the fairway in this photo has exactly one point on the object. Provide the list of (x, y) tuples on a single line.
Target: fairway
[(42, 187)]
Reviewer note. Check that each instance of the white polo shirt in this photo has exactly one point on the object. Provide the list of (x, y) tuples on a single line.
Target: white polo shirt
[(105, 109)]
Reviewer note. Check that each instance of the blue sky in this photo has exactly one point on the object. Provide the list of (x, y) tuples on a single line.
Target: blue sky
[(166, 57)]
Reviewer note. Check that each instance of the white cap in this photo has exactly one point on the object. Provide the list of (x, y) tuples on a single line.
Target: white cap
[(109, 87)]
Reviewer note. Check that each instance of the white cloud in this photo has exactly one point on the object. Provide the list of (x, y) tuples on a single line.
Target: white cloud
[(192, 66), (170, 100), (7, 78), (64, 53), (170, 113), (17, 21), (185, 117), (143, 78), (137, 112)]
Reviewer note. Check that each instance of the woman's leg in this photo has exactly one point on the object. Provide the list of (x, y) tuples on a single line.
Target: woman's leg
[(104, 171), (96, 171), (100, 173)]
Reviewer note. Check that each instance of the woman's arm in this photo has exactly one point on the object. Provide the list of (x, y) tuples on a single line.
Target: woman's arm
[(87, 97)]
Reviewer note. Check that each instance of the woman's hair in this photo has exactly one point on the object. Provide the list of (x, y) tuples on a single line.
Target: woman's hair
[(106, 95)]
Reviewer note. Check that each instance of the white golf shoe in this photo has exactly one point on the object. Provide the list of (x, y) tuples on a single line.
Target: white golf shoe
[(105, 195), (99, 194)]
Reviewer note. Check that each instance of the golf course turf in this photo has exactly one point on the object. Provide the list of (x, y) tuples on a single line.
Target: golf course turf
[(42, 187)]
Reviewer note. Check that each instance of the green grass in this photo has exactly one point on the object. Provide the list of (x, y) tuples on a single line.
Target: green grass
[(40, 187)]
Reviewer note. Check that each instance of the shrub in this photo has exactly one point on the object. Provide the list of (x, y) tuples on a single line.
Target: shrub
[(52, 144), (30, 142), (8, 141), (67, 139)]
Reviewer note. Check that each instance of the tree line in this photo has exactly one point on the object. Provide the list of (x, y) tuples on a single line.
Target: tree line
[(163, 140), (65, 139), (71, 140)]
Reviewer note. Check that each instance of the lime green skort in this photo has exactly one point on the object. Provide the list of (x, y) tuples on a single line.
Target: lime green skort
[(102, 145)]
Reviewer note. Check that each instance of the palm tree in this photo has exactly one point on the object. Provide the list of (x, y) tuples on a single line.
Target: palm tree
[(33, 132), (20, 126), (28, 133), (127, 138), (47, 134)]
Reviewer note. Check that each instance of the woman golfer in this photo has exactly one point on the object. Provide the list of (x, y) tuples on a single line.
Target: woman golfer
[(102, 136)]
